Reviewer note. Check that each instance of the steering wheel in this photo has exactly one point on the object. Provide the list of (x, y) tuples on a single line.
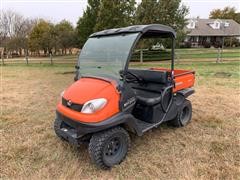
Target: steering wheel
[(137, 78)]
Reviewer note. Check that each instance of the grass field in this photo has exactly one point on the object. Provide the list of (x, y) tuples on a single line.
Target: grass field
[(206, 53), (208, 148)]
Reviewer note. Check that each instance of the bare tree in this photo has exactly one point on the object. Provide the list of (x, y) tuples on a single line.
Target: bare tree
[(8, 22), (14, 31)]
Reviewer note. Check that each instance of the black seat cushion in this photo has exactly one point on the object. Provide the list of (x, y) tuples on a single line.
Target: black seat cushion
[(148, 101)]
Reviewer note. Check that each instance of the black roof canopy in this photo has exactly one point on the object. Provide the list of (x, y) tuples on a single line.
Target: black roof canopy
[(146, 30)]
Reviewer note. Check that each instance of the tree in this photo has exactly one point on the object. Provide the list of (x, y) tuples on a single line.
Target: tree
[(170, 13), (226, 13), (113, 14), (14, 31), (20, 37), (42, 37), (8, 22), (145, 12), (86, 23), (65, 35)]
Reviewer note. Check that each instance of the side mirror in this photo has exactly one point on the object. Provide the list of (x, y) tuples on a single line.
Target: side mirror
[(76, 76)]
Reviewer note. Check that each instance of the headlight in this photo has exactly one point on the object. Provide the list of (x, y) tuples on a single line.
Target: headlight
[(93, 105)]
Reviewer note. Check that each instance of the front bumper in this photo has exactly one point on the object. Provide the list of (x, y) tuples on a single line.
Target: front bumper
[(77, 132), (70, 135)]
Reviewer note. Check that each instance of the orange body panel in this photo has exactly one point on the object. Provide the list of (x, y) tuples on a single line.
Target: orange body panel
[(86, 89), (183, 78)]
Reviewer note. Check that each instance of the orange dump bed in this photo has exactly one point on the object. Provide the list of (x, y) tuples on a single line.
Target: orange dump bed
[(183, 78)]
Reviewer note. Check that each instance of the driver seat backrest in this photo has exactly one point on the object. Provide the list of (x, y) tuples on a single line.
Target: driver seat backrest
[(151, 76), (154, 81), (149, 92)]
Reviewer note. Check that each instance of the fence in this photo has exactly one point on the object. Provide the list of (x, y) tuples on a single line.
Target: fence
[(183, 55)]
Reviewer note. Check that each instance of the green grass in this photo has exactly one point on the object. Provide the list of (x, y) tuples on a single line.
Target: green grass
[(202, 67), (205, 70), (206, 53), (187, 54)]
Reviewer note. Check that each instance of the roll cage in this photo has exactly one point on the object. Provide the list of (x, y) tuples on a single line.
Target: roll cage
[(152, 30)]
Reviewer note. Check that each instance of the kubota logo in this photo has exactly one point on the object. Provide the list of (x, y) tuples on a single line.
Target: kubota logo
[(69, 102), (129, 102)]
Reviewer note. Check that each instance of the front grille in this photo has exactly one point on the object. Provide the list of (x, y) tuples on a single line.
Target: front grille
[(73, 106)]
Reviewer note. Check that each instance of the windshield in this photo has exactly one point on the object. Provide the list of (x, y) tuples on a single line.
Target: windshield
[(105, 56)]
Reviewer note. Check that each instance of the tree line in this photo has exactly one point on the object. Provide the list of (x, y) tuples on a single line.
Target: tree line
[(19, 34), (104, 14), (23, 35), (225, 13), (34, 35)]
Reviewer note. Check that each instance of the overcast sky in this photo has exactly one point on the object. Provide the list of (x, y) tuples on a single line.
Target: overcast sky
[(56, 10)]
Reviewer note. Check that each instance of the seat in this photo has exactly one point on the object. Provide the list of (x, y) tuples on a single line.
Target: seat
[(148, 101)]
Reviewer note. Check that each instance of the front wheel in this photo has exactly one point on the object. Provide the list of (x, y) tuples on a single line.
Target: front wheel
[(109, 147), (184, 115)]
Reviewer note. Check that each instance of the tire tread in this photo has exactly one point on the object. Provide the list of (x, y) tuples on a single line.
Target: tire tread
[(176, 122), (97, 142)]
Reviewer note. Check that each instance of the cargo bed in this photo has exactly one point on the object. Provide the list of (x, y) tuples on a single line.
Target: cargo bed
[(183, 78)]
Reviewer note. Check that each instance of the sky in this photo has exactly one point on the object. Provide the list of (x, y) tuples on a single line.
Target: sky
[(57, 10)]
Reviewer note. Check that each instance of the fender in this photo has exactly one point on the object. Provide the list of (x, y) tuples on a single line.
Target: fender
[(186, 92), (122, 118)]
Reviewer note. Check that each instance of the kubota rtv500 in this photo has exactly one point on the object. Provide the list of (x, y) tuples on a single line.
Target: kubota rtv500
[(108, 100)]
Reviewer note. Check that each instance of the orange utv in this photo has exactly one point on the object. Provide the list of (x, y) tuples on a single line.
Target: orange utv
[(109, 100)]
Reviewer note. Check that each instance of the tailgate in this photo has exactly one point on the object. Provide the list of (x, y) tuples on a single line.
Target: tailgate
[(183, 79)]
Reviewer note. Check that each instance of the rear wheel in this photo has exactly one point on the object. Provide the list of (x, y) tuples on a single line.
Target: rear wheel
[(184, 115), (109, 147)]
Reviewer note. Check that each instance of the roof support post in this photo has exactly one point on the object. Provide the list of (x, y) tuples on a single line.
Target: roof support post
[(173, 55), (141, 56)]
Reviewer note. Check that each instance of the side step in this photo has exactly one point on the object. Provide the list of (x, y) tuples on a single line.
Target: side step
[(145, 126)]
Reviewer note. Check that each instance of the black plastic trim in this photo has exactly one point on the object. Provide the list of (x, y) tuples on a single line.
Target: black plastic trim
[(73, 106), (151, 28), (88, 128), (186, 92)]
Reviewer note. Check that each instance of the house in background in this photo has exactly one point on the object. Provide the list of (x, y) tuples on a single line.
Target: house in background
[(211, 31)]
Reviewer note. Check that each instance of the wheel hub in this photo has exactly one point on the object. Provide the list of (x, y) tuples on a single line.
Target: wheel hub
[(113, 147)]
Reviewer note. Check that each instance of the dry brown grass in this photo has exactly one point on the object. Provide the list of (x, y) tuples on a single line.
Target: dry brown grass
[(208, 148)]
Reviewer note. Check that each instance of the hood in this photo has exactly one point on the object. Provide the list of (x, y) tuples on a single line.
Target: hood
[(86, 89)]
